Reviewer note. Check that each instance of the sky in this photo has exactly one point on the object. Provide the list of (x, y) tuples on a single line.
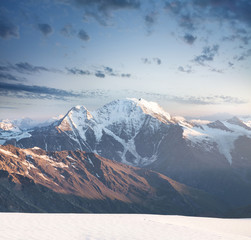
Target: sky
[(192, 57)]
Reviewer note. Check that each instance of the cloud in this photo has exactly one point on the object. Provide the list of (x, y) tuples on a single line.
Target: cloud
[(100, 74), (67, 30), (208, 54), (102, 10), (45, 29), (216, 70), (226, 9), (126, 75), (83, 35), (193, 100), (181, 12), (34, 92), (8, 107), (205, 10), (230, 64), (150, 19), (146, 60), (77, 71), (188, 69), (196, 15), (24, 67), (187, 22), (239, 34), (174, 6), (156, 60), (209, 100), (189, 38), (27, 67), (109, 71), (243, 56), (8, 29), (7, 76)]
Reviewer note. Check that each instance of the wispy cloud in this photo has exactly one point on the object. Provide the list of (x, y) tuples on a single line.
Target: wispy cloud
[(193, 100), (45, 29), (39, 92), (2, 107), (208, 54), (216, 70), (24, 67), (77, 71), (155, 60), (189, 38), (243, 56), (188, 13), (101, 10), (47, 93), (67, 30), (196, 15), (83, 35), (99, 72), (187, 69), (8, 76), (150, 19), (7, 28)]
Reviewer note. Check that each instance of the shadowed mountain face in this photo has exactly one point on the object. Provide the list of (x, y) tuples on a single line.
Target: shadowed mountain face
[(33, 180), (214, 157)]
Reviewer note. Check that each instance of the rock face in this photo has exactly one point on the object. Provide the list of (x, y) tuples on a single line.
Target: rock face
[(33, 180), (215, 157)]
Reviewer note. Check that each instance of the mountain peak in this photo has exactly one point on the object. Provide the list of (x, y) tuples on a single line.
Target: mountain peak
[(238, 122), (151, 108), (79, 111), (132, 108)]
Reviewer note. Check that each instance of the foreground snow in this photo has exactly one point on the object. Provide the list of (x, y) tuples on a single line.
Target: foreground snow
[(117, 226)]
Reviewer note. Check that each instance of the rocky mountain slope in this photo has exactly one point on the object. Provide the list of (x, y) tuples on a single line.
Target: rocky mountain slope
[(33, 180), (211, 156)]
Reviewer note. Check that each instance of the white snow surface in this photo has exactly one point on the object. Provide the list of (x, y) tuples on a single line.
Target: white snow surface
[(23, 226), (224, 139), (7, 125)]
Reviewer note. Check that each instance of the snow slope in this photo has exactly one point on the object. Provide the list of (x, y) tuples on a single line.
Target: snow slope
[(223, 133), (117, 226)]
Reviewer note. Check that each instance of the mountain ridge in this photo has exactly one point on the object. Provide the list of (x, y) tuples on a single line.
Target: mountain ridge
[(139, 133)]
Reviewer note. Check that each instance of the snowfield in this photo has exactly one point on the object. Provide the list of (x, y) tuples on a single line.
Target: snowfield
[(24, 226)]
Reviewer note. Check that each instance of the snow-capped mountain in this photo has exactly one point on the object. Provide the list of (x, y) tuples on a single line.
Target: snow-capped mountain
[(118, 130), (140, 133), (19, 128)]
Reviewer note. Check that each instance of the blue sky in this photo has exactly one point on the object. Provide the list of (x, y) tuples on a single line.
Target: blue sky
[(192, 57)]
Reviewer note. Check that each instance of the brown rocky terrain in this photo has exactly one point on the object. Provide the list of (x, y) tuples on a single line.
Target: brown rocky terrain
[(33, 180)]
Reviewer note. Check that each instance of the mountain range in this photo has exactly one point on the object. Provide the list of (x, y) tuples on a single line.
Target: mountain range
[(211, 157)]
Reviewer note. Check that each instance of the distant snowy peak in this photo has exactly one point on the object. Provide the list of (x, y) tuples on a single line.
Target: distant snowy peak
[(223, 133), (218, 125), (24, 124), (238, 122), (7, 125)]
